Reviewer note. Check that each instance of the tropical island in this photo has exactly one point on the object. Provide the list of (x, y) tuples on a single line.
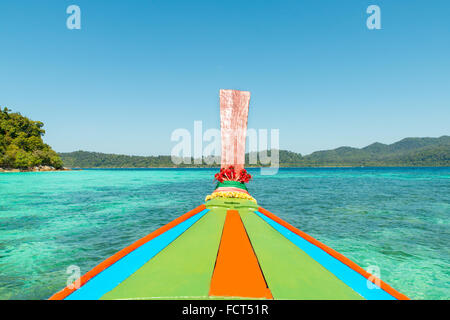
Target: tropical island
[(409, 152), (22, 147)]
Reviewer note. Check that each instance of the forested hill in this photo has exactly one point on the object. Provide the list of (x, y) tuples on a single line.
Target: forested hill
[(407, 152), (21, 145)]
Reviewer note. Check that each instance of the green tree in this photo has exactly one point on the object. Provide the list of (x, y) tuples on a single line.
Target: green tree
[(21, 144)]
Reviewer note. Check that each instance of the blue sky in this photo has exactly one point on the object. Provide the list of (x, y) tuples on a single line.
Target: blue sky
[(137, 70)]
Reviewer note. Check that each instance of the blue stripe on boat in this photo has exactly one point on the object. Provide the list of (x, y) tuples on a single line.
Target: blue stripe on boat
[(112, 276), (343, 272)]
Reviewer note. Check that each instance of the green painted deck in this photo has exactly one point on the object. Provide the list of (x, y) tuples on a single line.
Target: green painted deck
[(184, 269), (181, 271), (291, 273)]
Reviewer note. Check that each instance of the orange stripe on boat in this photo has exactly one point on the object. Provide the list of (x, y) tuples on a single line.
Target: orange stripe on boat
[(237, 272), (336, 255), (122, 253)]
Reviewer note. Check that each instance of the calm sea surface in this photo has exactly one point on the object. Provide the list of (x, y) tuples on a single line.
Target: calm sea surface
[(396, 219)]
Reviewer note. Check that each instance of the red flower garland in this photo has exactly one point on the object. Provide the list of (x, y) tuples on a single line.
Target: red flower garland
[(230, 174)]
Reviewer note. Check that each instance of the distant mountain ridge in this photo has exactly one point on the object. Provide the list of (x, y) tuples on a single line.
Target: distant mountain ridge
[(406, 152)]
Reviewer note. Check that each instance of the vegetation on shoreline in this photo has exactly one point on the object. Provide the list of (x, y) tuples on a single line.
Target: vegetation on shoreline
[(407, 152), (21, 144)]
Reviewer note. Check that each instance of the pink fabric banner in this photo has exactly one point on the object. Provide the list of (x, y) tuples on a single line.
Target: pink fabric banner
[(233, 122)]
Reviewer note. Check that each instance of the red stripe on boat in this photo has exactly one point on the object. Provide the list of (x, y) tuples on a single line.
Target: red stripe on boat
[(230, 189)]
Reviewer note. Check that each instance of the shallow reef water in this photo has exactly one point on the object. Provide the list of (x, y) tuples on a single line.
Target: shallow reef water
[(391, 220)]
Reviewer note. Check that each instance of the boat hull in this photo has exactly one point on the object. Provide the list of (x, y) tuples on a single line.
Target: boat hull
[(232, 249)]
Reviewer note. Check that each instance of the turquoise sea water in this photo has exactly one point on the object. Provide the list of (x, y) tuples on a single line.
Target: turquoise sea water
[(396, 219)]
